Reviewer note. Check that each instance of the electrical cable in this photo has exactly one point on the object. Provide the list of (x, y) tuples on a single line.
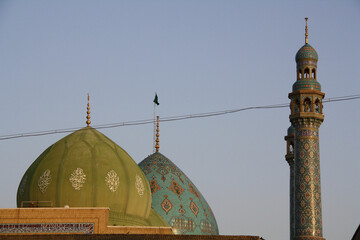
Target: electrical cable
[(168, 119)]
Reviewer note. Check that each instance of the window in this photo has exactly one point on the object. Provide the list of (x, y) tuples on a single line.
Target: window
[(307, 73), (307, 105), (317, 106)]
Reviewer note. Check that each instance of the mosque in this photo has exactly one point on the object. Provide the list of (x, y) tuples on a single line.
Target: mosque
[(85, 184)]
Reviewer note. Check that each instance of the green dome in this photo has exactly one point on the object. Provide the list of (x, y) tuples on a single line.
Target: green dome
[(176, 199), (87, 169), (306, 52)]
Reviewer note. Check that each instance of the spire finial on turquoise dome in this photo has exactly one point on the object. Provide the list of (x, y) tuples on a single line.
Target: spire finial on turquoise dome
[(306, 31), (88, 111), (157, 146)]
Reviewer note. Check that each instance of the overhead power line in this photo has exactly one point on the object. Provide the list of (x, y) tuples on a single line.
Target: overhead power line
[(168, 119)]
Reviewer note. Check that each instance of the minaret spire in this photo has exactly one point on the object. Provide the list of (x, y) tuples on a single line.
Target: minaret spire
[(157, 146), (306, 31), (88, 111)]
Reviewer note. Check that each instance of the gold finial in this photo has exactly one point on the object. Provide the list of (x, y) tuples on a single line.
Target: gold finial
[(157, 146), (306, 32), (88, 112)]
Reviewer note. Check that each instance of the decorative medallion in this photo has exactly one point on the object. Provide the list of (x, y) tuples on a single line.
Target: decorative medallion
[(166, 204), (176, 188), (139, 185), (112, 180), (182, 210), (154, 186), (77, 178), (22, 185), (193, 207), (44, 180)]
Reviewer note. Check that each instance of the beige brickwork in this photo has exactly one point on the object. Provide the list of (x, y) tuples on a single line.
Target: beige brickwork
[(98, 216)]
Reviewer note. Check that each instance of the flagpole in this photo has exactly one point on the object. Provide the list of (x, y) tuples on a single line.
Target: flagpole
[(156, 102)]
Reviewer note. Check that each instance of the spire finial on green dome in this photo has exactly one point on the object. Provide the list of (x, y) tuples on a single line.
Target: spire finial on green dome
[(88, 111), (306, 32)]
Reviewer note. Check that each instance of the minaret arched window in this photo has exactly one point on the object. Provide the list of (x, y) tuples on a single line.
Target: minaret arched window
[(307, 105), (314, 73), (299, 74), (291, 147), (317, 106), (307, 73)]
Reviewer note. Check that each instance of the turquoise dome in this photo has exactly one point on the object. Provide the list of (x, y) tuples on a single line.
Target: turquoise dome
[(291, 130), (306, 83), (176, 199), (306, 52)]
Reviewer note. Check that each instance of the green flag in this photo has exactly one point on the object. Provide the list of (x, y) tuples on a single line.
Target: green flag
[(156, 100)]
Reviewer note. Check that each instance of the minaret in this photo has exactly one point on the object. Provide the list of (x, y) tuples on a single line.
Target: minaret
[(290, 159), (306, 117)]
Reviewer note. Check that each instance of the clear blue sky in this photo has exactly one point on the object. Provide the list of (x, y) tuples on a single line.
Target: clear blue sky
[(199, 56)]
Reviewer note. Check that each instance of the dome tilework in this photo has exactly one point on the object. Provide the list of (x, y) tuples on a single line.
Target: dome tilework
[(307, 83), (306, 52), (177, 199)]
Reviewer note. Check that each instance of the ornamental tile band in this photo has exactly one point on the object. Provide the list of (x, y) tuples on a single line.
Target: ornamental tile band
[(86, 228), (139, 185), (112, 180), (44, 181), (182, 224), (77, 178), (207, 227)]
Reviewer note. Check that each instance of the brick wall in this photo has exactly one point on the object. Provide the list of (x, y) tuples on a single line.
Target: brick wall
[(125, 237)]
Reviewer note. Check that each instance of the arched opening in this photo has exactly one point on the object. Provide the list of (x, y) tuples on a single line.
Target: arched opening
[(317, 106), (307, 105), (307, 73), (314, 73), (291, 147), (299, 74)]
